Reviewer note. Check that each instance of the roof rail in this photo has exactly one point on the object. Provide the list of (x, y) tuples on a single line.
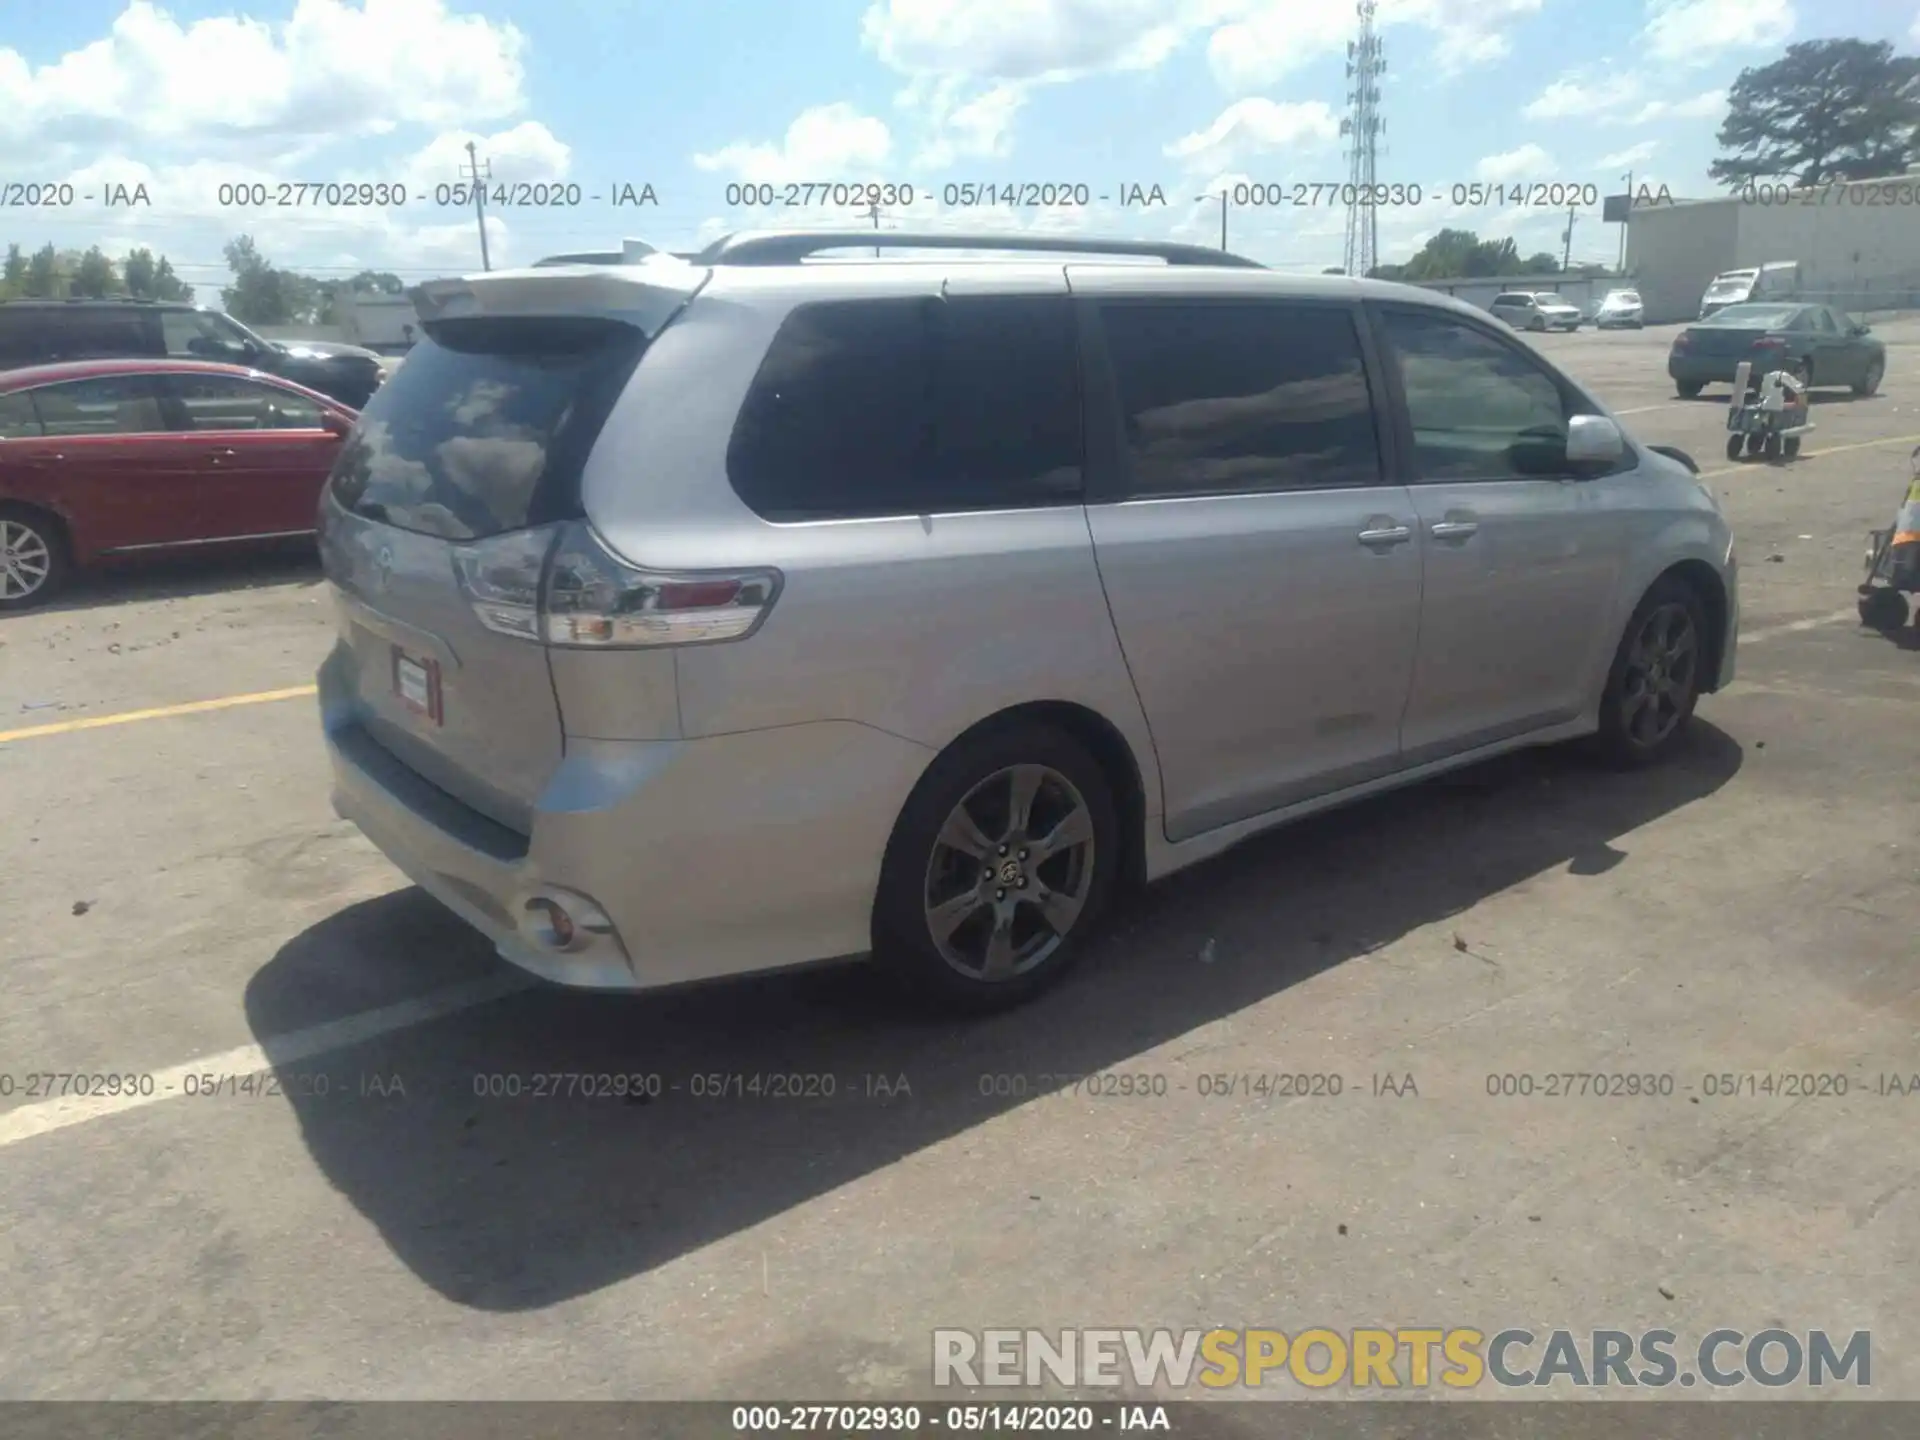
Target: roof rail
[(790, 247)]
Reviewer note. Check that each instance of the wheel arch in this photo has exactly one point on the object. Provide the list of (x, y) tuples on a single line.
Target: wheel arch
[(1103, 741), (1705, 582), (62, 526)]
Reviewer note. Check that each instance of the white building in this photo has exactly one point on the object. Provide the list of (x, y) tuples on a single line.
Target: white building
[(1858, 245)]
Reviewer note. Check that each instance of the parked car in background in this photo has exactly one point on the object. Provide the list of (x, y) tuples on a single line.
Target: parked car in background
[(1620, 310), (1826, 347), (771, 612), (110, 460), (1777, 281), (1536, 311), (48, 332)]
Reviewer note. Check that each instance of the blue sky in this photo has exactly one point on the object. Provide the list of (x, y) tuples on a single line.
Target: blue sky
[(1189, 95)]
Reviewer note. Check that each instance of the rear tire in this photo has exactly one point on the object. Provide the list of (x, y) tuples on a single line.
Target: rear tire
[(34, 564), (972, 914), (1790, 447), (1688, 389), (1870, 382), (1883, 610), (1655, 680)]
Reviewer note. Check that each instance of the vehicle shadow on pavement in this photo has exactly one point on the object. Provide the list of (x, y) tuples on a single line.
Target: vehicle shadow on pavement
[(508, 1204), (183, 578)]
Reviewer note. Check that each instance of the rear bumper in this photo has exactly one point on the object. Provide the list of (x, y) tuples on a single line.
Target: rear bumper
[(709, 858)]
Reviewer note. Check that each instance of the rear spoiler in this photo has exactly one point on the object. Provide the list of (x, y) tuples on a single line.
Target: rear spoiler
[(645, 295)]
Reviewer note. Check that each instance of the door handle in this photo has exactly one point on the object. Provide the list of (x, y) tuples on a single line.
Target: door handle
[(1455, 529), (1382, 537), (223, 455)]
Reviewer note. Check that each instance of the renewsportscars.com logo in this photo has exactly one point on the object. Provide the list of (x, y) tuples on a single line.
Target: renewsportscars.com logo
[(1382, 1358)]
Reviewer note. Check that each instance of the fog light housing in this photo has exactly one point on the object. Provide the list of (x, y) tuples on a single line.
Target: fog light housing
[(562, 922)]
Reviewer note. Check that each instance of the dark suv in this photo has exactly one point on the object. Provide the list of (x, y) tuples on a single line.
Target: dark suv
[(42, 332)]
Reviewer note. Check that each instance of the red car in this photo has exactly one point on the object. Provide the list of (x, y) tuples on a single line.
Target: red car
[(103, 460)]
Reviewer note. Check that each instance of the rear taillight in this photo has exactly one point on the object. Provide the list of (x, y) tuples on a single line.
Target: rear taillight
[(1769, 342), (586, 597), (1682, 340)]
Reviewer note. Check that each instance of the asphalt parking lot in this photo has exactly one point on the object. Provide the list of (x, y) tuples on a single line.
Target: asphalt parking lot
[(181, 902)]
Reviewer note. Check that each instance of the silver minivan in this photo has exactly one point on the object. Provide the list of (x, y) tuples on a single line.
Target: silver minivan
[(707, 615)]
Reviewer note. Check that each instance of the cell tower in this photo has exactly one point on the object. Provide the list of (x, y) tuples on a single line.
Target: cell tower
[(1366, 63)]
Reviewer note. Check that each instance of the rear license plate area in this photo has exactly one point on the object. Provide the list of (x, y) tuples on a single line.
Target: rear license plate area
[(416, 682)]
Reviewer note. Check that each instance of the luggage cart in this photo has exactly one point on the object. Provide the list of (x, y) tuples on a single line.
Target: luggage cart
[(1893, 562), (1766, 417)]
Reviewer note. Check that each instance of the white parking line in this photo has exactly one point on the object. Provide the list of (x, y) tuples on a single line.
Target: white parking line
[(1794, 627), (43, 1117)]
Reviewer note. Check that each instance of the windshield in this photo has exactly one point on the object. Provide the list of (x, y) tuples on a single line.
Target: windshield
[(1755, 317), (487, 426), (1623, 297)]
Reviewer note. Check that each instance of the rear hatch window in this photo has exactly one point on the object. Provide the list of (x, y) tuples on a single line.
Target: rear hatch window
[(487, 426)]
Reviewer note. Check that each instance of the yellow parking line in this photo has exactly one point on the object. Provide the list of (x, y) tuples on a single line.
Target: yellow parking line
[(1805, 455), (128, 717)]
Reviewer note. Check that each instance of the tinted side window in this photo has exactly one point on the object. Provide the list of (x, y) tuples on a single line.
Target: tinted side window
[(912, 407), (22, 339), (1480, 409), (1824, 322), (81, 332), (17, 420), (218, 402), (1241, 397), (111, 405)]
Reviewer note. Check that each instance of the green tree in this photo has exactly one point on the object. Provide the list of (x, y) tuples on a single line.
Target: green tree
[(94, 276), (44, 280), (13, 276), (1826, 110), (264, 294), (151, 277)]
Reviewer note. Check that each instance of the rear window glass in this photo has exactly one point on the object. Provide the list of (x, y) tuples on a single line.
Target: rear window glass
[(1758, 317), (487, 426)]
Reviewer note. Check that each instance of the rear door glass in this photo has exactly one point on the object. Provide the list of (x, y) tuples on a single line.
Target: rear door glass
[(487, 426), (912, 406)]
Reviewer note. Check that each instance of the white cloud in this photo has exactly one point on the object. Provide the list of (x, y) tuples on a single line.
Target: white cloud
[(1631, 156), (1276, 40), (957, 125), (1030, 40), (1914, 33), (1521, 164), (1696, 30), (1255, 126), (826, 142), (1701, 107), (236, 86), (1571, 98)]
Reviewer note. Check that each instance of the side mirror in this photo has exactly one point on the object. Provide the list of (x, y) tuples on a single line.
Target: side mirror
[(1862, 329), (1593, 443), (336, 424)]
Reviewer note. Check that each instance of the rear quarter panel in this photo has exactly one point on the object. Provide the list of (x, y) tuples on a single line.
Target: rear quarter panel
[(918, 626)]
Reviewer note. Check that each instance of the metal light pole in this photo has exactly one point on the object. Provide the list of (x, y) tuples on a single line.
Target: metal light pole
[(1622, 266), (480, 198)]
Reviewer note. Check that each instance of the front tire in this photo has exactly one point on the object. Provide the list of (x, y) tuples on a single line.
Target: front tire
[(1870, 382), (1736, 445), (33, 558), (1689, 389), (1003, 860), (1656, 676)]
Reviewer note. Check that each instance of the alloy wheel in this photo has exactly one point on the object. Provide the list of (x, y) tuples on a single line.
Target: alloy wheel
[(1659, 678), (1010, 873), (26, 560)]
